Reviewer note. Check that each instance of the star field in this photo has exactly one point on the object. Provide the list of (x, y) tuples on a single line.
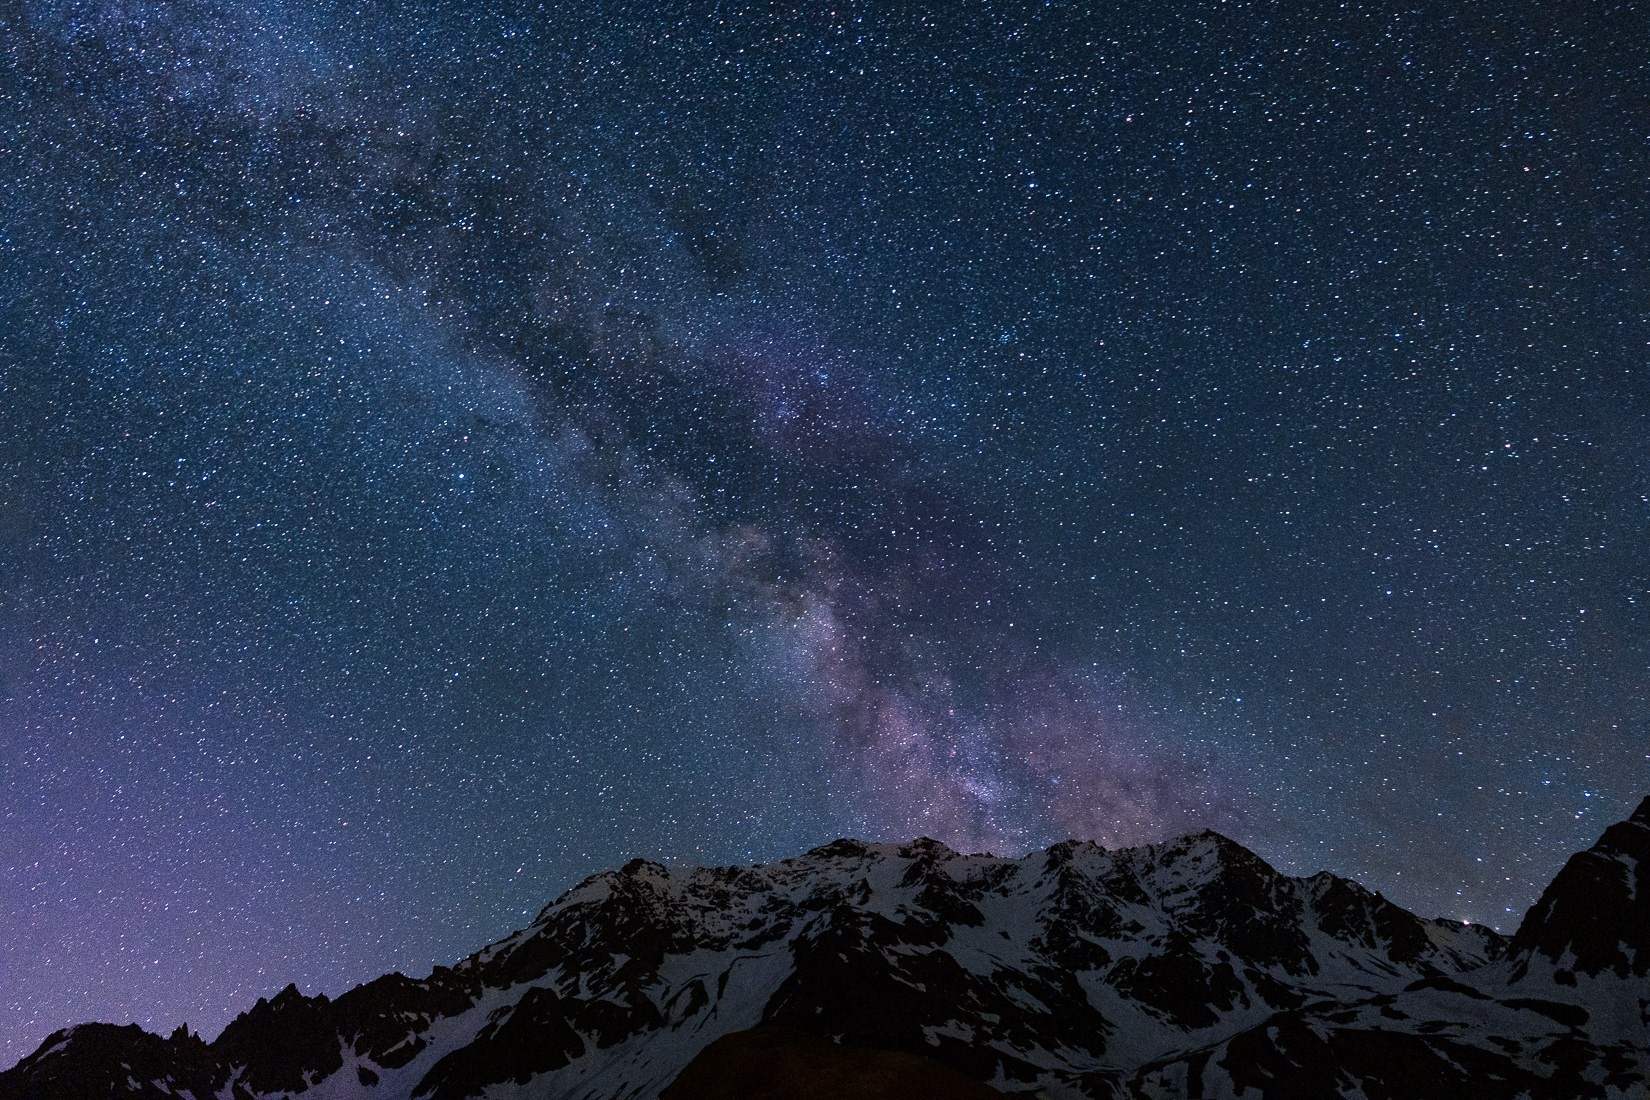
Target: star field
[(449, 449)]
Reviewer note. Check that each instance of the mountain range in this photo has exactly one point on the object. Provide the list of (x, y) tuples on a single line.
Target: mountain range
[(1184, 969)]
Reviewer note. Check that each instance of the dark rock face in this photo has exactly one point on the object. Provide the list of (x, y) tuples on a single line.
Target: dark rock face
[(532, 1038), (101, 1060), (282, 1044), (1594, 917), (1184, 969), (1179, 987)]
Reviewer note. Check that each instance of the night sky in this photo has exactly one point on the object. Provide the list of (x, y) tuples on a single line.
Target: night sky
[(450, 448)]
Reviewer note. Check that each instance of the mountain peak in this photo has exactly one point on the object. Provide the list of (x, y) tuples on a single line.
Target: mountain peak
[(925, 847), (841, 848), (646, 870), (1186, 968), (1594, 917)]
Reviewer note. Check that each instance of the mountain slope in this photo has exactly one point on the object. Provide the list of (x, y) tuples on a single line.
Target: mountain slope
[(1189, 968), (1565, 1014), (1594, 917)]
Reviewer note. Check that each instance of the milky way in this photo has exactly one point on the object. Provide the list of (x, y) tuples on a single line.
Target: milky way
[(449, 449)]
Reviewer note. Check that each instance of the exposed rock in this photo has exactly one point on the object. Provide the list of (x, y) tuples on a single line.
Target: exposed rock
[(1190, 968), (1594, 917)]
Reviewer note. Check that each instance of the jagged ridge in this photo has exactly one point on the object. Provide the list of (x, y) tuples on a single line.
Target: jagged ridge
[(1177, 969)]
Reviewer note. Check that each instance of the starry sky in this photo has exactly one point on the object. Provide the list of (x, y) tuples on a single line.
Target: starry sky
[(449, 448)]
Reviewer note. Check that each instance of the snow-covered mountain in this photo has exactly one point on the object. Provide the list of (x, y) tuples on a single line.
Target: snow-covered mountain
[(1185, 969)]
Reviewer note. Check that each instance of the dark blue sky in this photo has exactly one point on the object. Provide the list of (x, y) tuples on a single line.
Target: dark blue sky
[(448, 449)]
